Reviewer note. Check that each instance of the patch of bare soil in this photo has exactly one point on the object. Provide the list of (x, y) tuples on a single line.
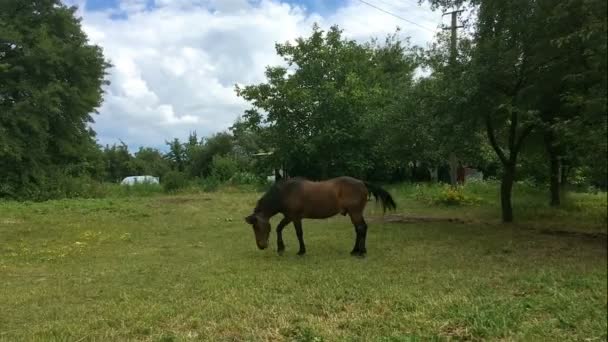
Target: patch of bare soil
[(414, 219), (568, 233), (426, 219)]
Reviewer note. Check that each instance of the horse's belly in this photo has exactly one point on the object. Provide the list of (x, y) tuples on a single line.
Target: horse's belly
[(320, 211)]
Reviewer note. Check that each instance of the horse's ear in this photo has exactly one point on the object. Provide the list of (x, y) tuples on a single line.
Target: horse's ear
[(251, 219)]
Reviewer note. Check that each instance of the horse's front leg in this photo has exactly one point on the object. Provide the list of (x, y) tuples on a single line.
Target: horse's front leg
[(280, 245), (300, 235)]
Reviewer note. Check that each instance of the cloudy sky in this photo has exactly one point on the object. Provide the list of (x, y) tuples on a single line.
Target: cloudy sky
[(175, 62)]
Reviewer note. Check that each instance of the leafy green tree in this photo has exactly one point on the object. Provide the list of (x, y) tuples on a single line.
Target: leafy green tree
[(569, 89), (321, 112), (538, 68), (223, 167), (176, 156), (149, 161), (50, 82), (118, 162), (219, 144)]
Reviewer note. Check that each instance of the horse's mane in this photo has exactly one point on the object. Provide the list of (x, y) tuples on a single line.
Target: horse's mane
[(272, 201)]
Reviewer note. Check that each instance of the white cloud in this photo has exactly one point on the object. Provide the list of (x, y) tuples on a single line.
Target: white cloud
[(175, 63)]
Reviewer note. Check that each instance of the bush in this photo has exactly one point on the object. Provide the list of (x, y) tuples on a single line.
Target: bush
[(223, 167), (210, 184), (245, 178), (173, 181), (453, 196), (444, 194)]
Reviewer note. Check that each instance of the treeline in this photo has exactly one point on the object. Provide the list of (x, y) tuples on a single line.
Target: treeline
[(523, 96), (220, 157)]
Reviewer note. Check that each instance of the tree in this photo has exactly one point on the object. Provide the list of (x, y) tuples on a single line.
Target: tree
[(177, 155), (118, 162), (149, 161), (51, 82), (569, 87), (219, 144), (320, 114)]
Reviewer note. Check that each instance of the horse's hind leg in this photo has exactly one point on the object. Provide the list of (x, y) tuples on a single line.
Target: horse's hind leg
[(300, 235), (361, 231)]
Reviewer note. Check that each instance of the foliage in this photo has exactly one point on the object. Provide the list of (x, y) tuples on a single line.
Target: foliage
[(530, 72), (223, 167), (118, 162), (444, 194), (173, 181), (149, 161), (321, 110), (245, 178), (51, 83)]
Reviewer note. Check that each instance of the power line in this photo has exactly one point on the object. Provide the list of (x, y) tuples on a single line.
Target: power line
[(395, 15)]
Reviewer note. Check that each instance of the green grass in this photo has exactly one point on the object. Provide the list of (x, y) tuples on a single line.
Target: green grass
[(185, 267)]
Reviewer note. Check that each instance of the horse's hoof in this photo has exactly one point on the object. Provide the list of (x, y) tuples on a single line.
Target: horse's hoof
[(358, 254), (280, 252), (300, 253)]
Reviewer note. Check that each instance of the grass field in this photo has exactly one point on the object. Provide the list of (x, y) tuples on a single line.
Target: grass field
[(185, 267)]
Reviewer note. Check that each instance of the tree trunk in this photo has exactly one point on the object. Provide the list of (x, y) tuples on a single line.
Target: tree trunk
[(453, 168), (563, 176), (555, 184), (554, 168), (506, 189)]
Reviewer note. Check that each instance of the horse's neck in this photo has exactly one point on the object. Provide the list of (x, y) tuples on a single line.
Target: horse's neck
[(269, 212)]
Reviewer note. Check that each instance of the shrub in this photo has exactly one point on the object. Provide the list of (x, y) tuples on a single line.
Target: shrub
[(210, 184), (453, 196), (245, 178), (173, 181), (223, 167), (444, 194)]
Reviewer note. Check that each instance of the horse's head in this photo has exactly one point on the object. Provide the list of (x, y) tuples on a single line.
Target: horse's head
[(261, 229)]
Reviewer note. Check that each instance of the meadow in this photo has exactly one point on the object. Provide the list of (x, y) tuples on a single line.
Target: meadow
[(176, 267)]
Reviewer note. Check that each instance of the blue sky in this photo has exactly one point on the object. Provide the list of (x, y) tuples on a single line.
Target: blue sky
[(319, 6), (175, 62)]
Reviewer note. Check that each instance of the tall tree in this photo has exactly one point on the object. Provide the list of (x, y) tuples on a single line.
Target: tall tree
[(569, 86), (50, 82), (177, 155), (118, 162), (321, 109)]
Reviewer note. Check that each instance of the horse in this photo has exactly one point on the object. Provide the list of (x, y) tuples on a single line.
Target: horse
[(299, 198)]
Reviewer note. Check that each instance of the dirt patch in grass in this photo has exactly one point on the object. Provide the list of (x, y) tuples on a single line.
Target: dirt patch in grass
[(574, 234), (415, 219), (395, 218)]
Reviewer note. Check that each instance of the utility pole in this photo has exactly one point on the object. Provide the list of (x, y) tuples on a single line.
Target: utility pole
[(453, 160), (454, 36)]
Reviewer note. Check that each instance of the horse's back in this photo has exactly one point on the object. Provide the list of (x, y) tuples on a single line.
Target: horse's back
[(327, 198)]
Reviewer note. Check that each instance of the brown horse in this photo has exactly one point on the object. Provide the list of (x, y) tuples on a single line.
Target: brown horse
[(298, 198)]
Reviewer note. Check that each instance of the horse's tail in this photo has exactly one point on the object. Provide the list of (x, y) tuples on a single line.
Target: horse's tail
[(382, 195)]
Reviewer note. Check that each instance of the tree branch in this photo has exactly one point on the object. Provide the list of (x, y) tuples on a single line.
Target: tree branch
[(524, 133), (492, 138)]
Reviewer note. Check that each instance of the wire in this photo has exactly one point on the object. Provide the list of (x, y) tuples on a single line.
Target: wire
[(396, 16)]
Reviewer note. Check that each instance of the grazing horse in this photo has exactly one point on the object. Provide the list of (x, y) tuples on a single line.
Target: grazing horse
[(298, 198)]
